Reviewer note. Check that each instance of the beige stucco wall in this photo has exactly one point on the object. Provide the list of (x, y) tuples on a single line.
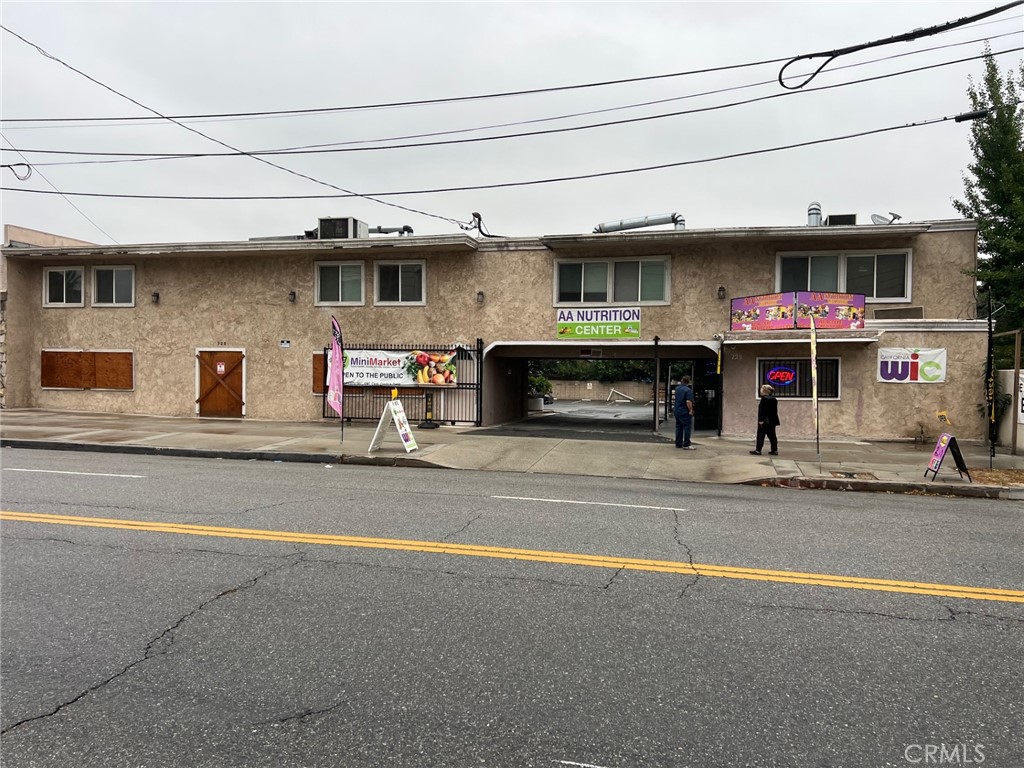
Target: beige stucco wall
[(237, 298), (867, 408)]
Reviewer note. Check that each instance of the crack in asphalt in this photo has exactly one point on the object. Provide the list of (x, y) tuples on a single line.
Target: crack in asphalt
[(158, 646), (445, 572), (462, 529), (620, 570), (954, 614), (197, 519), (147, 550), (689, 556), (8, 502), (300, 716)]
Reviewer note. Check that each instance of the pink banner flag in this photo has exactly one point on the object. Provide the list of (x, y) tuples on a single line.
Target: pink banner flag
[(336, 372)]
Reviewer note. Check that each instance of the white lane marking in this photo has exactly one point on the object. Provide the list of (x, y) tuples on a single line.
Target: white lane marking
[(598, 503), (61, 472), (581, 765)]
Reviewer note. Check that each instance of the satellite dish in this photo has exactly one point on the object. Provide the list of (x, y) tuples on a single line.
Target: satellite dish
[(877, 218)]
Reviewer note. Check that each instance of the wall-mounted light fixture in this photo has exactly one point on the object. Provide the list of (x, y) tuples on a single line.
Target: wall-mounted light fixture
[(291, 296), (479, 297), (721, 291), (156, 297)]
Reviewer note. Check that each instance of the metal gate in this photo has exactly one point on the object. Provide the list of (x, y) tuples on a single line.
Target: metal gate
[(461, 403)]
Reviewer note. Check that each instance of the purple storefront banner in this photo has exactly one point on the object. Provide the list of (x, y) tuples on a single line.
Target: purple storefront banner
[(763, 313), (829, 310), (775, 311)]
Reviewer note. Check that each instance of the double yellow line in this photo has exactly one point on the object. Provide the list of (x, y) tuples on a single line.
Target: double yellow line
[(534, 555)]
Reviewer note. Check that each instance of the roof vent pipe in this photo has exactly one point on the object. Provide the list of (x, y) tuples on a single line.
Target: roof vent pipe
[(814, 214), (675, 219), (403, 230)]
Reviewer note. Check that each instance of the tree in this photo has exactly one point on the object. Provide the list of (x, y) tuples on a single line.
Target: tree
[(994, 189)]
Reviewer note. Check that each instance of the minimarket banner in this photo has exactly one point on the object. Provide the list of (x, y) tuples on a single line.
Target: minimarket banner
[(794, 309), (390, 368), (911, 366), (596, 324)]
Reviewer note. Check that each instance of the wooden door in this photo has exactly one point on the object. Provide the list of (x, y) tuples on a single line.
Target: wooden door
[(221, 383)]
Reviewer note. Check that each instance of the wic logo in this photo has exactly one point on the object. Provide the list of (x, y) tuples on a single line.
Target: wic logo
[(912, 366)]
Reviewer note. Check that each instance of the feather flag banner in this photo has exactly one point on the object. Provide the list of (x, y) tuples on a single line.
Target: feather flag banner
[(336, 371)]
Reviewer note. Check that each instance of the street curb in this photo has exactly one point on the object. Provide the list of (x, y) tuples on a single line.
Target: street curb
[(880, 486), (201, 453), (810, 483)]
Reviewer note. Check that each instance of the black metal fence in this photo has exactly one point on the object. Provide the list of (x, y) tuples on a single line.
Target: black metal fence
[(459, 403)]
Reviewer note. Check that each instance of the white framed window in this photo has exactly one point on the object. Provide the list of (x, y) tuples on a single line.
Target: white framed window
[(882, 276), (400, 283), (62, 287), (113, 286), (339, 283), (612, 281)]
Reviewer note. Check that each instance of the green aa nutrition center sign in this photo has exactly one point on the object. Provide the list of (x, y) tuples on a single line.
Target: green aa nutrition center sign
[(592, 324)]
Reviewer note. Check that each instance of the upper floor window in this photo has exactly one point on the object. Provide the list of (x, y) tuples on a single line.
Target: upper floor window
[(401, 282), (610, 281), (62, 287), (113, 286), (879, 276), (339, 282)]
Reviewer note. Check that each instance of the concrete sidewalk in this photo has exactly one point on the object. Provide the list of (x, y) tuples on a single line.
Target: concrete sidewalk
[(862, 466)]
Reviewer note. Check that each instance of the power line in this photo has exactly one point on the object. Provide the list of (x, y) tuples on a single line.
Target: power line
[(162, 156), (57, 191), (503, 185), (148, 157), (459, 99), (411, 103), (348, 193), (915, 34)]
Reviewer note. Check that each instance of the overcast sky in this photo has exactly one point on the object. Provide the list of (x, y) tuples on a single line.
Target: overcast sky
[(201, 58)]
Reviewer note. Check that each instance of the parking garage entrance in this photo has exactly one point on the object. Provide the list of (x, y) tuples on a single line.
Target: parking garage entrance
[(590, 401)]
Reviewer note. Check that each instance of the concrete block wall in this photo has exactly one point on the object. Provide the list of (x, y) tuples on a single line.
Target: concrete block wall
[(600, 391)]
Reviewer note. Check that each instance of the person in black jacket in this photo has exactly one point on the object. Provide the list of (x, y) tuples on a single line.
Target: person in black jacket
[(767, 420)]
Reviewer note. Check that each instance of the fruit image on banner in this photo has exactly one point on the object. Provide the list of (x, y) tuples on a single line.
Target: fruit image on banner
[(432, 368)]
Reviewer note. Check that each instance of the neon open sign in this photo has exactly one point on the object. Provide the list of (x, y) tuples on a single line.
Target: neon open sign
[(781, 376)]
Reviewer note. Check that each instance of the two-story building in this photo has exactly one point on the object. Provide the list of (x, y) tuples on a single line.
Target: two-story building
[(239, 328)]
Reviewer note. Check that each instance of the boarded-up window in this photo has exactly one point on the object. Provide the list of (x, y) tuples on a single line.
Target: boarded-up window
[(114, 370), (319, 373), (87, 370)]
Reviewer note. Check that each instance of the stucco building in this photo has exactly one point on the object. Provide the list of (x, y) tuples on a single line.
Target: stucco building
[(239, 328)]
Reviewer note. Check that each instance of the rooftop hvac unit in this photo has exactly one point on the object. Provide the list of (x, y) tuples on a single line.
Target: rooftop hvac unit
[(841, 219), (342, 229)]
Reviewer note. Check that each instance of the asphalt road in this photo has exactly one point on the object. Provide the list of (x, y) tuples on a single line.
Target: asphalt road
[(267, 614)]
